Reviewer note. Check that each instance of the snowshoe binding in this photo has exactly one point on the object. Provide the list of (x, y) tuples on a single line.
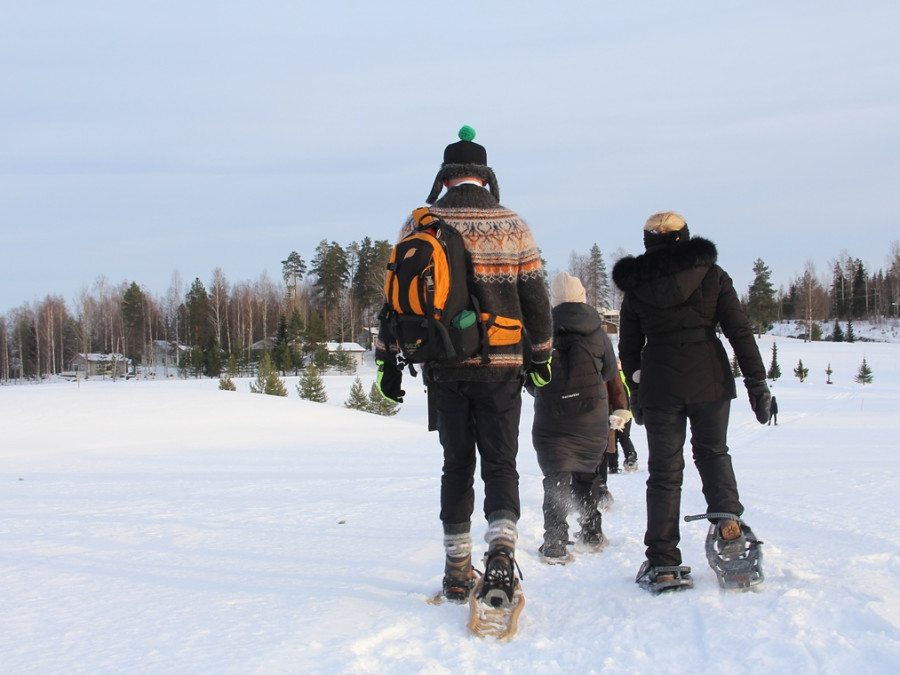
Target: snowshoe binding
[(658, 579), (733, 551), (459, 581), (497, 599)]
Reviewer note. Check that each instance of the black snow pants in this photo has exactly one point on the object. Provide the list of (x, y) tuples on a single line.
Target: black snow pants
[(482, 416), (666, 433)]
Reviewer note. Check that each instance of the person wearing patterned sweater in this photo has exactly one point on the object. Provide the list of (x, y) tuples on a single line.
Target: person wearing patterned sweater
[(478, 404)]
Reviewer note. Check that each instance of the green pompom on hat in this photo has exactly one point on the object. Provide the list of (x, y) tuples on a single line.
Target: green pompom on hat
[(466, 133)]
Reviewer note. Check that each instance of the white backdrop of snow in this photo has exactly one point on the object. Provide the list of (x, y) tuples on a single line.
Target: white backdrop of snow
[(171, 527)]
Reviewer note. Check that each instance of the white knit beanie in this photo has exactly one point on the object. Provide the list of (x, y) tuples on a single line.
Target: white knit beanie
[(566, 288)]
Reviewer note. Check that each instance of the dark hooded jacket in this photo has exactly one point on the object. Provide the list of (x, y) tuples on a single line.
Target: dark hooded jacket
[(675, 297), (575, 443)]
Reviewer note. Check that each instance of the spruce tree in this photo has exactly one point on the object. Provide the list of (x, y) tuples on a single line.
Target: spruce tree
[(864, 374), (380, 405), (774, 369), (800, 372), (311, 386), (357, 399), (851, 336), (837, 335), (762, 307), (267, 380), (227, 383)]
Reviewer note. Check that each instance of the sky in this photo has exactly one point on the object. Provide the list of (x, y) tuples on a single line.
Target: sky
[(141, 141), (166, 526)]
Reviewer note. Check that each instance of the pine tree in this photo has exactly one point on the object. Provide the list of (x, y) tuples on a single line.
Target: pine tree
[(357, 399), (800, 372), (343, 361), (761, 306), (774, 369), (267, 380), (226, 383), (735, 366), (864, 374), (851, 336), (837, 335), (380, 405), (311, 386), (828, 372)]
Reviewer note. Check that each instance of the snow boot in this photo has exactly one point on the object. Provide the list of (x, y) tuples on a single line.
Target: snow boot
[(631, 463), (459, 579), (657, 579), (733, 551), (591, 538), (554, 552)]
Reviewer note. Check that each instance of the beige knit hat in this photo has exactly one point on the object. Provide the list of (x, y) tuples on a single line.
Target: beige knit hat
[(566, 288), (667, 221)]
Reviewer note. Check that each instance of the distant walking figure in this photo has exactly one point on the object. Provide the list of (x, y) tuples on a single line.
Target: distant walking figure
[(773, 412)]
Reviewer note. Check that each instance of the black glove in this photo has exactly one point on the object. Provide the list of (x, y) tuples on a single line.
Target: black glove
[(760, 398), (539, 373), (634, 402), (389, 379)]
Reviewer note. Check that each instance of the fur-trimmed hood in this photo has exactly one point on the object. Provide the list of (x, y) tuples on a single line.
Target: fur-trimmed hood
[(650, 274)]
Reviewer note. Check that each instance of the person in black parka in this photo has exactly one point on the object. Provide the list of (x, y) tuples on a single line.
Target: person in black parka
[(571, 442), (677, 371)]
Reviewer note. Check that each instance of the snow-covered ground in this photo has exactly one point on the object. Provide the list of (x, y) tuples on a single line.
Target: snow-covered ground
[(150, 527)]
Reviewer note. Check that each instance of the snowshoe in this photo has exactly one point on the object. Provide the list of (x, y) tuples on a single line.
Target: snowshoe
[(657, 579), (733, 551), (605, 500), (500, 623), (631, 465), (555, 554), (590, 542), (497, 600)]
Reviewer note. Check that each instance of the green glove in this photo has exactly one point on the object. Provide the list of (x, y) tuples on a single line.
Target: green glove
[(388, 379), (539, 372)]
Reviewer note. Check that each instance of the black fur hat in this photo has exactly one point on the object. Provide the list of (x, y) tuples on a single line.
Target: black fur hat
[(665, 228), (464, 158)]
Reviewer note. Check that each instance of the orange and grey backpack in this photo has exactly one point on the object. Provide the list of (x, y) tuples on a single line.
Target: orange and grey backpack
[(433, 313)]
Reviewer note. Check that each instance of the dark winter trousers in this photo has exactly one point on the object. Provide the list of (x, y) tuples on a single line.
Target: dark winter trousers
[(665, 444), (482, 416), (622, 437), (565, 492)]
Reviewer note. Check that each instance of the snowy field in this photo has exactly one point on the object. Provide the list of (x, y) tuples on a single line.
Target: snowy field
[(169, 527)]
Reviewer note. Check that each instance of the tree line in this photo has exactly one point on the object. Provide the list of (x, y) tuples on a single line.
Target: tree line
[(850, 292), (336, 296)]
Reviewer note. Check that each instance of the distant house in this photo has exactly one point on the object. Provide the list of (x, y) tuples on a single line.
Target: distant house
[(352, 348), (610, 320), (165, 352), (100, 365), (262, 345)]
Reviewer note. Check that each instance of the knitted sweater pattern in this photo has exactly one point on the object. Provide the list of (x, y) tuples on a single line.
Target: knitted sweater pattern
[(509, 280)]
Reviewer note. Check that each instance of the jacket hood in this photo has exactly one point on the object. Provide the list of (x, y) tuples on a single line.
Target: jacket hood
[(575, 317), (650, 275)]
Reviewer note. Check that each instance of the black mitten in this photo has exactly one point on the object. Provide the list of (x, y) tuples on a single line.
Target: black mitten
[(760, 398)]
